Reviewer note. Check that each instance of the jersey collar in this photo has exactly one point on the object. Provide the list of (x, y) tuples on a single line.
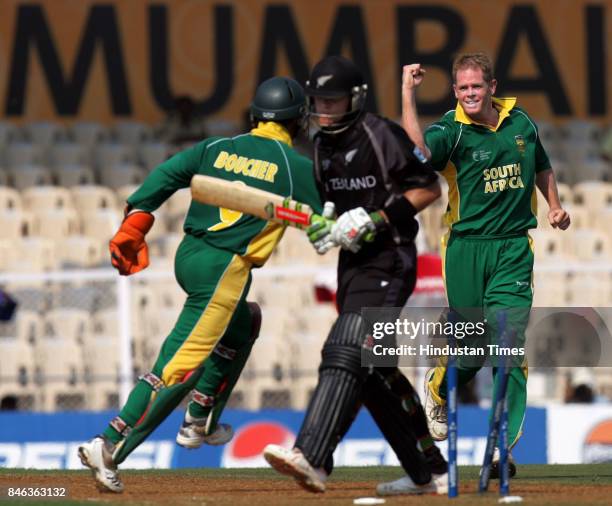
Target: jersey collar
[(503, 105), (272, 130)]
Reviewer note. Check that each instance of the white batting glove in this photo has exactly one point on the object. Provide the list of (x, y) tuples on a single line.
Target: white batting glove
[(351, 227)]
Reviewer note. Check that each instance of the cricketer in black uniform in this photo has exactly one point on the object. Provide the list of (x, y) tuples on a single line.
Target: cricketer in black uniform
[(364, 164)]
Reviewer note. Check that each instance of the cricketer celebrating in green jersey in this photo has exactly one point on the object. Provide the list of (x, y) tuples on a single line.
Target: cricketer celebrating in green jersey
[(213, 336), (489, 151)]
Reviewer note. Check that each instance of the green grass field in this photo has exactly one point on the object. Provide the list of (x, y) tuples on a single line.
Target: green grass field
[(537, 484)]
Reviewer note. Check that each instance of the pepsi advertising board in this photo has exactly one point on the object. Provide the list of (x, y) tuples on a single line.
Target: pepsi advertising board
[(579, 433), (49, 441)]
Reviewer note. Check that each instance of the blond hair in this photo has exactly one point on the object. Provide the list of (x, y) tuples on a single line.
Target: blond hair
[(474, 60)]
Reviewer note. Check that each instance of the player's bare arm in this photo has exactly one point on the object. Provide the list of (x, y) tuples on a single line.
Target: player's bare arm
[(547, 184), (412, 78)]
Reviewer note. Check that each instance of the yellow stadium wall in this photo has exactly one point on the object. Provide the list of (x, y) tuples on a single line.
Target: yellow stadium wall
[(107, 60)]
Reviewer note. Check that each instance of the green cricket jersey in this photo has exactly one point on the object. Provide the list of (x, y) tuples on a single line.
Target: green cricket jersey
[(263, 159), (490, 171)]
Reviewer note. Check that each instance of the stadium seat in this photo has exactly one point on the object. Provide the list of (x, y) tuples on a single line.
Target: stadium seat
[(71, 295), (106, 323), (602, 219), (563, 171), (47, 197), (267, 373), (4, 176), (106, 294), (319, 319), (82, 251), (132, 132), (10, 199), (23, 153), (89, 198), (304, 368), (566, 195), (36, 254), (580, 216), (74, 175), (589, 244), (25, 176), (123, 192), (44, 133), (587, 289), (88, 133), (550, 137), (8, 252), (590, 169), (548, 245), (56, 224), (16, 223), (111, 154), (121, 174), (60, 368), (176, 208), (8, 133), (221, 128), (17, 369), (169, 295), (69, 153), (577, 130), (152, 154), (71, 324), (179, 202), (101, 224), (268, 291), (580, 141), (295, 248), (169, 244), (101, 357), (30, 324), (549, 289), (593, 195), (31, 300)]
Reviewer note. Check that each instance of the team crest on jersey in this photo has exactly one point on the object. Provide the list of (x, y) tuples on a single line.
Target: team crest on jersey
[(348, 158), (520, 143)]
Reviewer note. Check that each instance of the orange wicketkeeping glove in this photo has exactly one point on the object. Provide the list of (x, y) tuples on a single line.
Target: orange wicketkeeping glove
[(128, 249)]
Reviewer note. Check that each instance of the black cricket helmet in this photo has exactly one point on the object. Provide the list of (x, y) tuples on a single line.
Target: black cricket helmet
[(278, 99), (334, 77)]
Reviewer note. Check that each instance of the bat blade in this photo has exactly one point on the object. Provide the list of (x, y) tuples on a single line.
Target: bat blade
[(238, 196)]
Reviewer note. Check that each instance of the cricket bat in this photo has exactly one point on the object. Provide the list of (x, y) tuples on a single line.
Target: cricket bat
[(238, 196)]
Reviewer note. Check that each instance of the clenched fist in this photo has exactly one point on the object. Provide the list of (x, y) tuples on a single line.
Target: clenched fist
[(412, 76), (559, 218)]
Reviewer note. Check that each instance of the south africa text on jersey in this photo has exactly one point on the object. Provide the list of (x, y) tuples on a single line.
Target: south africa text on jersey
[(498, 179), (251, 167)]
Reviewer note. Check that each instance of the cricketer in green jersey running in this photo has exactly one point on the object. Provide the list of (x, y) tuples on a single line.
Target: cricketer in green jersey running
[(213, 336), (489, 151)]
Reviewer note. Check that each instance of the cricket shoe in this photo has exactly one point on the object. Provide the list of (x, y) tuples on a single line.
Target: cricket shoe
[(192, 433), (436, 414), (495, 468), (293, 463), (97, 455), (405, 486)]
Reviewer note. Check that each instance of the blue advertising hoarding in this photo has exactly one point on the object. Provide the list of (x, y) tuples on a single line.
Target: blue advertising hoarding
[(49, 441)]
